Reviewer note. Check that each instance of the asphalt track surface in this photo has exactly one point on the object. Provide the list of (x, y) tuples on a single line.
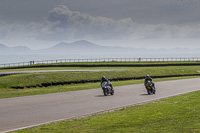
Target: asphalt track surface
[(22, 112)]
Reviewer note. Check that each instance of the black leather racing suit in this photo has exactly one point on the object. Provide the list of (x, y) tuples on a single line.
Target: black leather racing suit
[(148, 79), (106, 80)]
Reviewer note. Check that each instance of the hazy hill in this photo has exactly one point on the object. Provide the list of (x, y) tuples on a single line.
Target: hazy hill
[(17, 49), (87, 47), (84, 46), (77, 47), (3, 47)]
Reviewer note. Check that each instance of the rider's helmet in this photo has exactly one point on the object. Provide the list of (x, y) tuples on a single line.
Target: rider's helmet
[(147, 77), (103, 77)]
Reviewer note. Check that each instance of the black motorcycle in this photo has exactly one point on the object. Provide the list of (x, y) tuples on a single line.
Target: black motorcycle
[(150, 88), (107, 89)]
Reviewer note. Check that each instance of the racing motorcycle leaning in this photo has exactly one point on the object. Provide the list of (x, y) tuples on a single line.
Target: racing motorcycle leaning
[(150, 87), (107, 88)]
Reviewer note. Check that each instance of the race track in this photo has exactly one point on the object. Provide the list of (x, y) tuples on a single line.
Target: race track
[(22, 112)]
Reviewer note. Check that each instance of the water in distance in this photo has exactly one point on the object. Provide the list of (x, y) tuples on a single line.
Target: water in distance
[(15, 58)]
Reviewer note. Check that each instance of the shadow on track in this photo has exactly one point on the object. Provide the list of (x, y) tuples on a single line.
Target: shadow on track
[(99, 96), (102, 96), (144, 94)]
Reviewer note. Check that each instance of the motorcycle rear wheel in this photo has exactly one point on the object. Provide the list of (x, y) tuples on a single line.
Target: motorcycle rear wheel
[(112, 92), (154, 91)]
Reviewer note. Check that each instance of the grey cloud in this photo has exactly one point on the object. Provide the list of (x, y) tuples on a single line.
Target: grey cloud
[(143, 11), (64, 24), (26, 11), (73, 24), (76, 24)]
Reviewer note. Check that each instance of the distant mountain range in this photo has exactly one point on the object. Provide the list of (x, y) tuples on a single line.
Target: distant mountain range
[(84, 46), (17, 49)]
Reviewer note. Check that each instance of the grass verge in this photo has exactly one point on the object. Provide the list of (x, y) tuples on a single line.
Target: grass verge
[(36, 79), (8, 93), (176, 114), (39, 78)]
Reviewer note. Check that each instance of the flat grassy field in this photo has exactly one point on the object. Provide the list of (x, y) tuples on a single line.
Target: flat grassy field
[(9, 92), (36, 79), (180, 114), (176, 114)]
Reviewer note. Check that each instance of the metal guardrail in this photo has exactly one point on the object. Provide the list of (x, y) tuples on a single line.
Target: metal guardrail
[(195, 59)]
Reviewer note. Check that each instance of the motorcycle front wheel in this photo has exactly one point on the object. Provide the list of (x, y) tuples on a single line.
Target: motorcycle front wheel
[(149, 92), (105, 92)]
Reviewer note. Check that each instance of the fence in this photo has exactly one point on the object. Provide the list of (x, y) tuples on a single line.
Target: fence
[(194, 59)]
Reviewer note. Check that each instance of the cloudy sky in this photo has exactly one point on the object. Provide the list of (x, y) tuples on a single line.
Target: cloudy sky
[(127, 23)]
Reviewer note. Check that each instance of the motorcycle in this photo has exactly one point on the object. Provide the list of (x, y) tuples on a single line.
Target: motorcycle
[(107, 89), (150, 87)]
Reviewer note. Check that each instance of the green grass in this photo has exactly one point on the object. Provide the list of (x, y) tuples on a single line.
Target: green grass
[(8, 93), (173, 115), (37, 78), (60, 68), (177, 114)]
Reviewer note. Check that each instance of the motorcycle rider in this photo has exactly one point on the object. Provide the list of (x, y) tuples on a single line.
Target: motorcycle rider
[(104, 79), (148, 78)]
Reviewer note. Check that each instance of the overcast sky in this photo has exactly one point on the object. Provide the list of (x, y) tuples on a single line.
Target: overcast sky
[(128, 23)]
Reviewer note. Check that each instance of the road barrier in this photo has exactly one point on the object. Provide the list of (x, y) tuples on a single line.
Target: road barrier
[(191, 59)]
